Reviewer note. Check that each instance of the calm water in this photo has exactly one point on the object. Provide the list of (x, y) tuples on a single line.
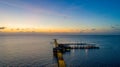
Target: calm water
[(36, 51)]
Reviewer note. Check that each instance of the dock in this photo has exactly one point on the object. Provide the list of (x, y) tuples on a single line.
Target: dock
[(77, 46), (57, 51), (63, 47)]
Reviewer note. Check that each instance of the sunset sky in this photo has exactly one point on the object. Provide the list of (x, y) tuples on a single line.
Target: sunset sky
[(71, 16)]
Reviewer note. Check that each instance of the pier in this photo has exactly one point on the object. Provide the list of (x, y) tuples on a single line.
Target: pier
[(77, 46), (63, 47), (57, 51)]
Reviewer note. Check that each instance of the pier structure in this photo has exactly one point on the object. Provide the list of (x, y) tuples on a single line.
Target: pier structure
[(57, 51), (60, 48), (78, 46)]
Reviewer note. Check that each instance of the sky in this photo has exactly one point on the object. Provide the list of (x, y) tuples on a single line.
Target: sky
[(61, 16)]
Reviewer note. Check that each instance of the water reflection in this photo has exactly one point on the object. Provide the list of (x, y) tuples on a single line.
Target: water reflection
[(86, 52)]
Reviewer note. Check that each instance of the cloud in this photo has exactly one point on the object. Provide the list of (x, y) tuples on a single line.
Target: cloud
[(34, 9), (93, 29), (17, 29), (82, 31), (116, 27), (2, 27), (113, 27)]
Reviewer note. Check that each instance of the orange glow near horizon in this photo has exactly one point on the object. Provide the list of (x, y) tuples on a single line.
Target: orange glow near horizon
[(36, 30), (49, 30)]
